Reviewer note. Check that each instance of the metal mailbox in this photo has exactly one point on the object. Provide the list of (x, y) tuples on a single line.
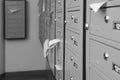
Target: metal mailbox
[(105, 58), (106, 22)]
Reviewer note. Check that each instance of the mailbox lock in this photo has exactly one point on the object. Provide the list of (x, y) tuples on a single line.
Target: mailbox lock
[(107, 19), (71, 58), (72, 38), (72, 17), (106, 56)]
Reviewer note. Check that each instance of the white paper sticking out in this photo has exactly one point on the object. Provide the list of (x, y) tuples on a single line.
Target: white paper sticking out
[(58, 67), (46, 47), (96, 6), (53, 43), (49, 45)]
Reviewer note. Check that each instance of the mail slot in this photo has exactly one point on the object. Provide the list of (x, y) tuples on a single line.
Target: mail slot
[(106, 23), (105, 58), (74, 62)]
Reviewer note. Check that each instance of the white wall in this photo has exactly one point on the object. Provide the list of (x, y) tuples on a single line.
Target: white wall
[(25, 55)]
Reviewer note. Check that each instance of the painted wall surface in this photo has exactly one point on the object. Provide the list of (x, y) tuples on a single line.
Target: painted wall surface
[(2, 57), (25, 55)]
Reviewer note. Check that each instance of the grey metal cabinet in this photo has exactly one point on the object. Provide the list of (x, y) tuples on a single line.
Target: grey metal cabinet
[(51, 32), (60, 35), (15, 19), (102, 41), (74, 40), (72, 66)]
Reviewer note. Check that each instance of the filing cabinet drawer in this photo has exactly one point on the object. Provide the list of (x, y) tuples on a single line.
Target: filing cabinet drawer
[(70, 74), (74, 62), (105, 58), (59, 32), (59, 75), (59, 53), (74, 3), (59, 5), (74, 41), (75, 20), (96, 75), (106, 23), (59, 19)]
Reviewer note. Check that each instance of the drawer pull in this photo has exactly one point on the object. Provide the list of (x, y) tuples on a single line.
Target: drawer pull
[(106, 56)]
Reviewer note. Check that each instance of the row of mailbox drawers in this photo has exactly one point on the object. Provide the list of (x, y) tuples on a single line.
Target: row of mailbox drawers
[(74, 41), (51, 59), (106, 23), (73, 63), (59, 74), (59, 5), (59, 54), (59, 32), (59, 61), (105, 58), (74, 3), (74, 20)]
